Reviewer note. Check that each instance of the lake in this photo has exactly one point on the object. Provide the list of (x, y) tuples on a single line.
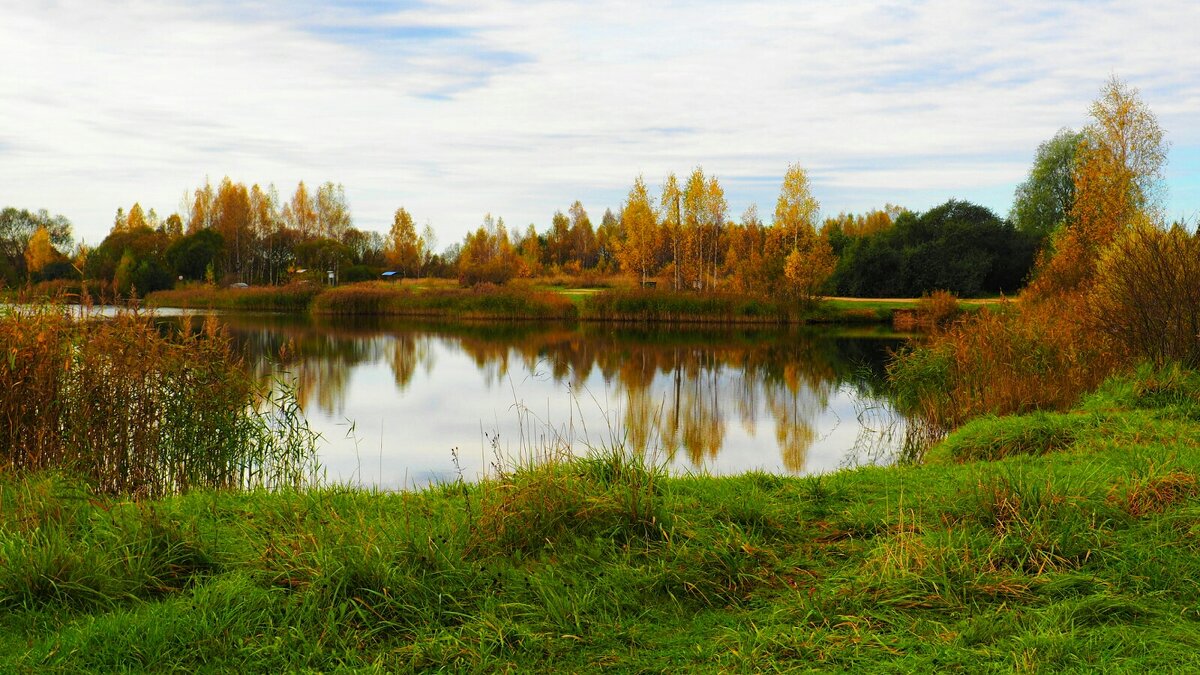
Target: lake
[(403, 404)]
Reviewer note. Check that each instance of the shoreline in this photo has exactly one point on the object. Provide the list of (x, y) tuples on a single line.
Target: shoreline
[(1056, 541), (527, 303)]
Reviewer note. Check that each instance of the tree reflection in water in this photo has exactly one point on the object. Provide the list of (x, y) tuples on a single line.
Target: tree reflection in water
[(672, 390)]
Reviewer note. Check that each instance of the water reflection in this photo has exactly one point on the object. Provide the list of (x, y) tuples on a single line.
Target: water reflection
[(722, 401)]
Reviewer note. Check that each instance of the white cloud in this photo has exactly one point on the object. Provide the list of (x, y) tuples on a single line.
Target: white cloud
[(518, 108)]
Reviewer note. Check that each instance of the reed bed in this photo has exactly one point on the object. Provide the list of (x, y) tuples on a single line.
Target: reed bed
[(656, 305), (138, 409), (290, 298), (482, 302)]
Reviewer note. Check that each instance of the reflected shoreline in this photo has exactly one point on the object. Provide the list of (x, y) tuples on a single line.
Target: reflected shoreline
[(713, 399)]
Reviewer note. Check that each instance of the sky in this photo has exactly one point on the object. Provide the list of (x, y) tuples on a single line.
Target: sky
[(458, 109)]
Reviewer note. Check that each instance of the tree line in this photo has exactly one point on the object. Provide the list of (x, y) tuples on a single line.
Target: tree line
[(680, 237)]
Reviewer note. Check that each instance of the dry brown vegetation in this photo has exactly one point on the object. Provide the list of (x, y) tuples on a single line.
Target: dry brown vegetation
[(131, 407), (1114, 289)]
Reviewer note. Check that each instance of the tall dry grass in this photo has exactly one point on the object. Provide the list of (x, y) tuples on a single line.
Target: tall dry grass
[(1004, 360), (137, 408), (485, 301), (296, 297)]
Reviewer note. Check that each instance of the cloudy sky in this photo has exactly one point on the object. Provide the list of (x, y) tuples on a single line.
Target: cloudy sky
[(455, 109)]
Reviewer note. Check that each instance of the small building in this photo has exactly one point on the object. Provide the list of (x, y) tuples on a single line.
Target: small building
[(391, 276)]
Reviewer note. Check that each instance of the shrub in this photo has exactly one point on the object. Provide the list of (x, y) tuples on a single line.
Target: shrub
[(938, 309), (1147, 294), (1000, 362)]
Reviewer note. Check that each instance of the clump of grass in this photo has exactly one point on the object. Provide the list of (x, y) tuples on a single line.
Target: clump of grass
[(1156, 493), (1171, 389), (139, 410), (610, 494), (990, 438)]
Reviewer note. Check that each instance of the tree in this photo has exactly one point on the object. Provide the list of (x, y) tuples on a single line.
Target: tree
[(300, 213), (1117, 179), (671, 207), (40, 252), (193, 255), (694, 227), (136, 219), (1045, 198), (203, 208), (796, 209), (17, 228), (332, 211), (428, 245), (558, 240), (173, 226), (716, 208), (608, 240), (403, 249), (232, 220), (583, 237), (794, 229), (639, 251)]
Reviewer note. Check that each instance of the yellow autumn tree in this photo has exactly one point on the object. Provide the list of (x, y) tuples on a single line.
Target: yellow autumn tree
[(1118, 171), (808, 266), (796, 209), (403, 250), (639, 252), (39, 252)]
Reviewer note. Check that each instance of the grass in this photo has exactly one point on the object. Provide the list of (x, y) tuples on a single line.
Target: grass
[(999, 556)]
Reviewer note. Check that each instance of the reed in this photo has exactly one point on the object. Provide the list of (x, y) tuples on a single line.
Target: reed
[(290, 298), (655, 305), (485, 301), (1002, 361), (138, 409)]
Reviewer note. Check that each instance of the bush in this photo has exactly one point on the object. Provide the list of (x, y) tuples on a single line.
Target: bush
[(1147, 295), (356, 273), (1000, 362), (938, 309)]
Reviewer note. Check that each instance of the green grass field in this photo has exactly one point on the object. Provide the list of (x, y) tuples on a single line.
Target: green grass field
[(1040, 543)]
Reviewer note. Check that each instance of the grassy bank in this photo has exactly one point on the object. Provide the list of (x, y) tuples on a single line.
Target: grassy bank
[(1069, 545), (533, 302)]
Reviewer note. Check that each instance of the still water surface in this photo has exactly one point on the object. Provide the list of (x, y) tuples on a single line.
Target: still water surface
[(395, 402)]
